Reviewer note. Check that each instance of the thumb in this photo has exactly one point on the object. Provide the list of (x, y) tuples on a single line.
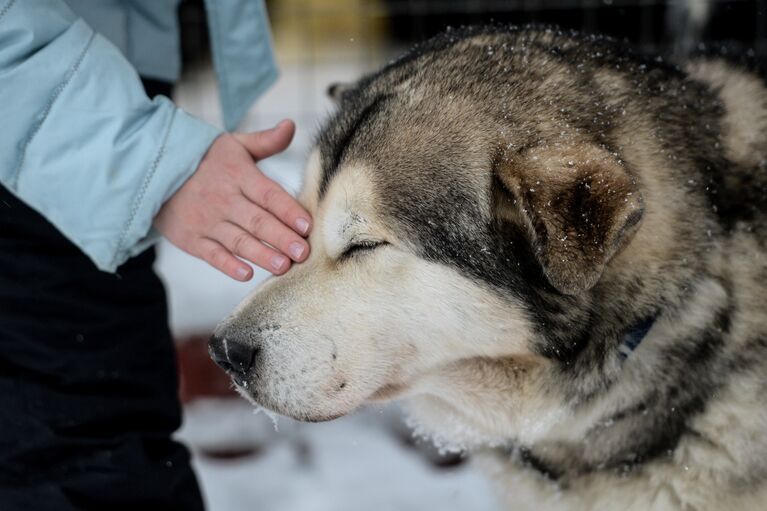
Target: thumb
[(262, 144)]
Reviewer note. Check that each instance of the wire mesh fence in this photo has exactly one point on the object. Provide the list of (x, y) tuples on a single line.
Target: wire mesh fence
[(320, 41), (653, 25)]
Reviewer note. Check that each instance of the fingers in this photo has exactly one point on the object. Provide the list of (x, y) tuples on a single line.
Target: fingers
[(263, 191), (264, 226), (229, 240), (267, 194), (262, 144), (242, 244), (221, 259)]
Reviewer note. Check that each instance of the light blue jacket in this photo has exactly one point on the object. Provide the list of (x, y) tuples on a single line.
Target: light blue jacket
[(80, 141)]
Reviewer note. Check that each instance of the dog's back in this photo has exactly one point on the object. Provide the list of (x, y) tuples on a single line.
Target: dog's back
[(743, 97)]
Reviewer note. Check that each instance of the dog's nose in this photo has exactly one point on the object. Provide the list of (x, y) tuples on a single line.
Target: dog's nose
[(232, 355)]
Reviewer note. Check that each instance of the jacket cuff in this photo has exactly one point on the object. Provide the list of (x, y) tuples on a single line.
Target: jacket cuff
[(185, 142)]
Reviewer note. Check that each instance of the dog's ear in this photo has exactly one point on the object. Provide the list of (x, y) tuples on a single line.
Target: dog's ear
[(579, 205), (339, 90)]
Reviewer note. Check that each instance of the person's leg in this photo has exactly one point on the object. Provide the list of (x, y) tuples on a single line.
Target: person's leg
[(88, 390)]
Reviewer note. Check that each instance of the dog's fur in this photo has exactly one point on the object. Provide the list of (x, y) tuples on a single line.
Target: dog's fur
[(493, 212)]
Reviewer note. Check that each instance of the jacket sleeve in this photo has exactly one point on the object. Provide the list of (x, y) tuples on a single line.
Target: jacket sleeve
[(82, 144)]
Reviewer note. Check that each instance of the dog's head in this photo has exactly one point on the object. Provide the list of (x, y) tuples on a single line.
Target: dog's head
[(444, 220)]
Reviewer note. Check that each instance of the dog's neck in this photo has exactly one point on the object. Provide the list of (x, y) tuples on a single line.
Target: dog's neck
[(530, 403), (453, 431)]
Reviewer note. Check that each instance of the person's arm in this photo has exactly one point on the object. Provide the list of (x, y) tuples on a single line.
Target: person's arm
[(82, 144)]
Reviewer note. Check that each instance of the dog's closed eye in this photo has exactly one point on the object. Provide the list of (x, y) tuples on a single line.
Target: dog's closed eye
[(360, 247)]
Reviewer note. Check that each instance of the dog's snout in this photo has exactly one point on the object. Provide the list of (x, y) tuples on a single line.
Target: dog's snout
[(234, 356)]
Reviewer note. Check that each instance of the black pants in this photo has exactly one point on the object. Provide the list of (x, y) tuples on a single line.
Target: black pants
[(88, 390)]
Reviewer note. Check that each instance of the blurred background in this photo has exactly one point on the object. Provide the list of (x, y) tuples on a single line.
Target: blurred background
[(247, 460)]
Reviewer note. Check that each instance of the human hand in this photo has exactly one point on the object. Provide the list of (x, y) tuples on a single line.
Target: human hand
[(229, 208)]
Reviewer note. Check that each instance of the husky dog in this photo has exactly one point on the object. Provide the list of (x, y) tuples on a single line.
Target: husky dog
[(555, 250)]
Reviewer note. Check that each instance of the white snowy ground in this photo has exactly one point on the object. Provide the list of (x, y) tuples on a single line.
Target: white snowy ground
[(353, 463)]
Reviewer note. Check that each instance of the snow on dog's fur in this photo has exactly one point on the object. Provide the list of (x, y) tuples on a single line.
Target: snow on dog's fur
[(554, 250)]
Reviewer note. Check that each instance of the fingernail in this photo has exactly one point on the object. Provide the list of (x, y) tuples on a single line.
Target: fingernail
[(296, 250), (302, 224), (242, 273), (278, 262)]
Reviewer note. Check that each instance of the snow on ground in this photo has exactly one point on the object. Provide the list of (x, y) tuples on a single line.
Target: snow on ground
[(356, 462), (349, 464)]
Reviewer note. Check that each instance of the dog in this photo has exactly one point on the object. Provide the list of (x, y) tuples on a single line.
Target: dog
[(553, 250)]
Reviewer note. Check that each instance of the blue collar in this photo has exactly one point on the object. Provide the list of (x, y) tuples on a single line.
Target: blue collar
[(634, 337)]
